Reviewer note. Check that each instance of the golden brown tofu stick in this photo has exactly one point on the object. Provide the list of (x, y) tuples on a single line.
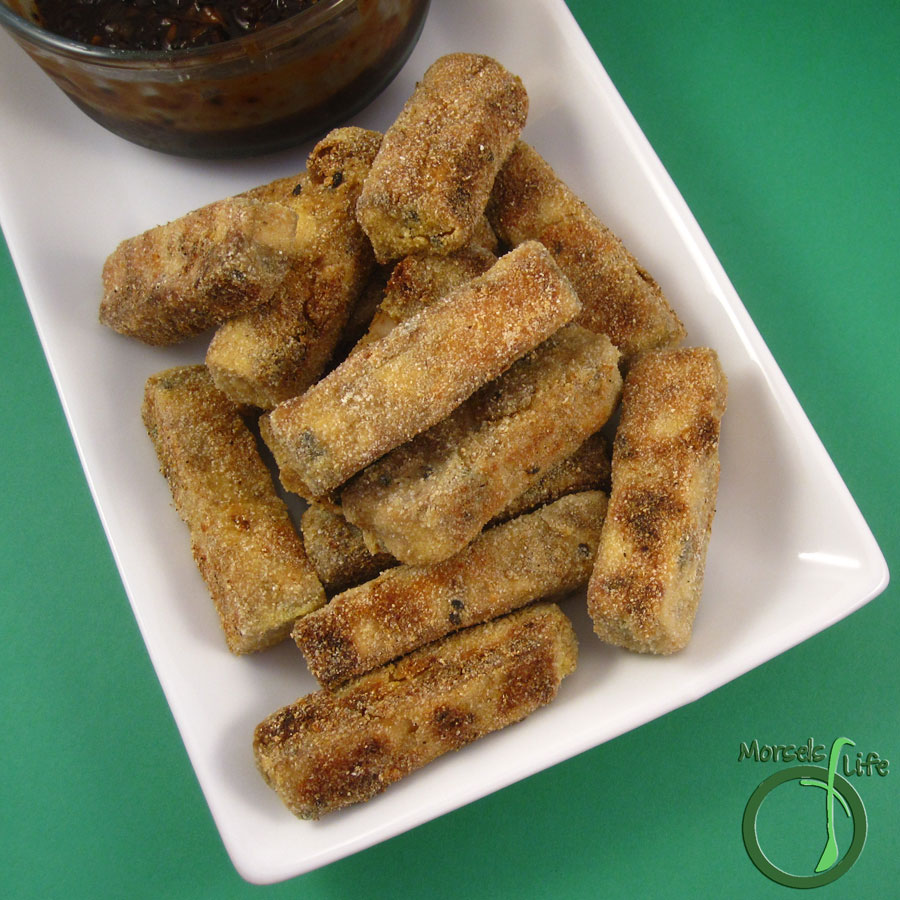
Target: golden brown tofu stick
[(331, 749), (241, 534), (541, 554), (342, 560), (428, 498), (431, 180), (179, 279), (619, 297), (587, 469), (361, 315), (276, 351), (337, 550), (648, 578), (424, 368), (419, 280)]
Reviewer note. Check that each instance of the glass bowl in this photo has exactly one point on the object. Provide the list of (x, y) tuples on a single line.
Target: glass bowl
[(256, 94)]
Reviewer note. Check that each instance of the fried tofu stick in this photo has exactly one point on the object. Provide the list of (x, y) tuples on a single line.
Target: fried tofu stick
[(342, 560), (587, 469), (648, 577), (337, 550), (541, 554), (276, 351), (242, 537), (331, 749), (432, 177), (417, 374), (428, 498), (619, 297), (361, 315), (177, 280), (419, 280)]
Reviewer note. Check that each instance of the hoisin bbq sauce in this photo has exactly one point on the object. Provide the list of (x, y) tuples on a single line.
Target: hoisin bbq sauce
[(161, 24)]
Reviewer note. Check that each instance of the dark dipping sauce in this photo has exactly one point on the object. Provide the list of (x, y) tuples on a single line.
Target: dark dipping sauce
[(161, 24), (290, 71)]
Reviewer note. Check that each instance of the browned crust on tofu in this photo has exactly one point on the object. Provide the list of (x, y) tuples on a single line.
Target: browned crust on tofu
[(242, 538), (418, 373), (433, 175), (587, 469), (425, 500), (284, 190), (338, 551), (331, 749), (177, 280), (619, 297), (542, 554), (361, 315), (278, 350), (419, 280), (342, 560), (648, 577)]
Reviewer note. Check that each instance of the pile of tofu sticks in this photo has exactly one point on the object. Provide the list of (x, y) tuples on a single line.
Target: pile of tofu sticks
[(430, 333)]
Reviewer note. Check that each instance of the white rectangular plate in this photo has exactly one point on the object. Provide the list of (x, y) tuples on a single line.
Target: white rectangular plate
[(789, 556)]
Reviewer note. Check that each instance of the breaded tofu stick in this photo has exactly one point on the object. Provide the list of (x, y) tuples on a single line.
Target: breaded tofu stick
[(541, 554), (648, 577), (361, 315), (428, 498), (417, 374), (276, 351), (337, 550), (242, 537), (419, 280), (619, 297), (342, 560), (331, 749), (179, 279), (432, 177), (587, 469)]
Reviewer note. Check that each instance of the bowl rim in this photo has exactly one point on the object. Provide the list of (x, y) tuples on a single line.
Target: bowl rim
[(294, 26)]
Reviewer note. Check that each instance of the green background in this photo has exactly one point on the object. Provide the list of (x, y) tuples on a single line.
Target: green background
[(780, 124)]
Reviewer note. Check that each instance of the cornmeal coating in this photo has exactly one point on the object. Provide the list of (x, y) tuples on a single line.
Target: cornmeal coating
[(648, 577), (242, 537), (361, 315), (278, 350), (337, 550), (428, 498), (619, 297), (331, 749), (419, 372), (177, 280), (419, 280), (433, 175), (587, 469), (541, 554), (341, 558)]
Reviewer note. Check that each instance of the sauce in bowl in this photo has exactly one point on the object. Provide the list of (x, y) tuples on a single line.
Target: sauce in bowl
[(206, 93), (161, 24)]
